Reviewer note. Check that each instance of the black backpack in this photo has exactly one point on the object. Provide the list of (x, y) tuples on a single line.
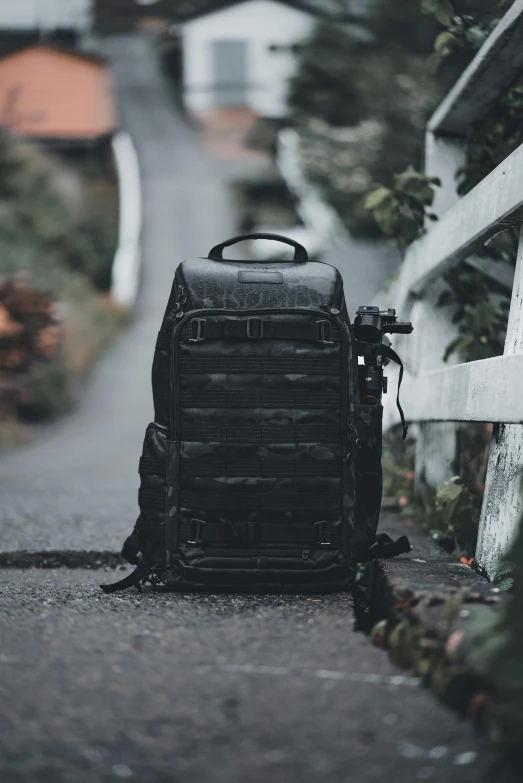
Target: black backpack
[(262, 468)]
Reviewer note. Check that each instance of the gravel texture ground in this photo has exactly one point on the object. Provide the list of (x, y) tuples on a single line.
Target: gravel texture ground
[(166, 687)]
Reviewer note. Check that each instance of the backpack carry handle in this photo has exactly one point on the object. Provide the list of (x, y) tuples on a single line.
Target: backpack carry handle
[(300, 254)]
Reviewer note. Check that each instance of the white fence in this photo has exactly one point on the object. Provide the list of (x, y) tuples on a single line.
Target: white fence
[(436, 394), (490, 390), (125, 275)]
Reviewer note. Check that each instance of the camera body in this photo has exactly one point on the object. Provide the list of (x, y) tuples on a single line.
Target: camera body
[(371, 326)]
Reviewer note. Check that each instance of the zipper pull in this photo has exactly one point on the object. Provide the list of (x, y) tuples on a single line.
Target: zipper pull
[(305, 556), (180, 301), (352, 433)]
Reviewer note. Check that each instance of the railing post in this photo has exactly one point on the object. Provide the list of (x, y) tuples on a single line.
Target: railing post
[(436, 442), (502, 501)]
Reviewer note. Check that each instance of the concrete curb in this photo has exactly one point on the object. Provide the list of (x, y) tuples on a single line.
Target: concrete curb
[(416, 607)]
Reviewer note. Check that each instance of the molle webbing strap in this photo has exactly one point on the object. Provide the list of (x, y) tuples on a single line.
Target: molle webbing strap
[(273, 501), (255, 328), (150, 466), (296, 433), (259, 398), (262, 468), (204, 365), (151, 500), (199, 532)]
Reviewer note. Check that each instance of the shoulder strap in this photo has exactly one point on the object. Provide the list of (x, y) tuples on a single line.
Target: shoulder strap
[(384, 547), (139, 573)]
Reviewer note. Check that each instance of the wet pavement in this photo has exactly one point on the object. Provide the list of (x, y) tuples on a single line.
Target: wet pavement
[(163, 687), (166, 687)]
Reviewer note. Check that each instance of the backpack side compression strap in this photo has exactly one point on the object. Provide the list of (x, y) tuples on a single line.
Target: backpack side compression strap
[(139, 573)]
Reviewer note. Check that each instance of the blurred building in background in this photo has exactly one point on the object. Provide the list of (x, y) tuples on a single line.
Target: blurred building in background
[(242, 54), (57, 96), (63, 20)]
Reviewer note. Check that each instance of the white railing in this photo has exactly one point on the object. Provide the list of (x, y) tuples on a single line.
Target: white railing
[(490, 390), (125, 274), (317, 216)]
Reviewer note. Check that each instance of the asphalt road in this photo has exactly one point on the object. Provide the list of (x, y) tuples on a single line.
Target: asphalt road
[(210, 688), (76, 486), (183, 688)]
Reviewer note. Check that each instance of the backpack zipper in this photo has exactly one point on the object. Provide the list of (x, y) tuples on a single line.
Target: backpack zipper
[(352, 433), (181, 299)]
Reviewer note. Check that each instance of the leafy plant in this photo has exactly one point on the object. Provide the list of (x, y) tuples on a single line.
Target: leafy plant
[(47, 391), (400, 211), (481, 302), (59, 244), (494, 642), (441, 9), (458, 511), (360, 99)]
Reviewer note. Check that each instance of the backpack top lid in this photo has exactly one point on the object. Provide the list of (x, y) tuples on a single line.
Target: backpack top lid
[(215, 282)]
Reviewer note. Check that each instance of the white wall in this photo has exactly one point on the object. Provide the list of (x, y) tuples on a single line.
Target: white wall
[(45, 14), (260, 23)]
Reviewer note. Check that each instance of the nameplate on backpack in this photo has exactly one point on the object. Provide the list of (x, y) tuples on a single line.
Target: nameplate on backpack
[(260, 277)]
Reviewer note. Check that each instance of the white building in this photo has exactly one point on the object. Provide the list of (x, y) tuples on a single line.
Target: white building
[(242, 54), (45, 16)]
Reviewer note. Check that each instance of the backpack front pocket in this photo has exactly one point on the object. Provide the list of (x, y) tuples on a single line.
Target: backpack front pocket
[(148, 536)]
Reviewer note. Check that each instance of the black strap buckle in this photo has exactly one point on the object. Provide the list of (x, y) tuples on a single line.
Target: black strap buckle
[(322, 533), (252, 334), (197, 331), (324, 333), (196, 531)]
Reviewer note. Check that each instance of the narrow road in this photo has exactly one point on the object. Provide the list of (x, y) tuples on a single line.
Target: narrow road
[(77, 487), (162, 687)]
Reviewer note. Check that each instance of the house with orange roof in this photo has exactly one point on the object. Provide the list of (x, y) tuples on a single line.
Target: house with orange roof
[(60, 97)]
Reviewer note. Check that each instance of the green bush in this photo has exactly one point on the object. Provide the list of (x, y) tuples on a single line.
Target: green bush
[(495, 643), (47, 390), (64, 246), (361, 98), (41, 235)]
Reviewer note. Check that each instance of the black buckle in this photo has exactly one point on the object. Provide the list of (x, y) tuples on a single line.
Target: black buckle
[(198, 332), (197, 527), (249, 328), (324, 332), (322, 533)]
